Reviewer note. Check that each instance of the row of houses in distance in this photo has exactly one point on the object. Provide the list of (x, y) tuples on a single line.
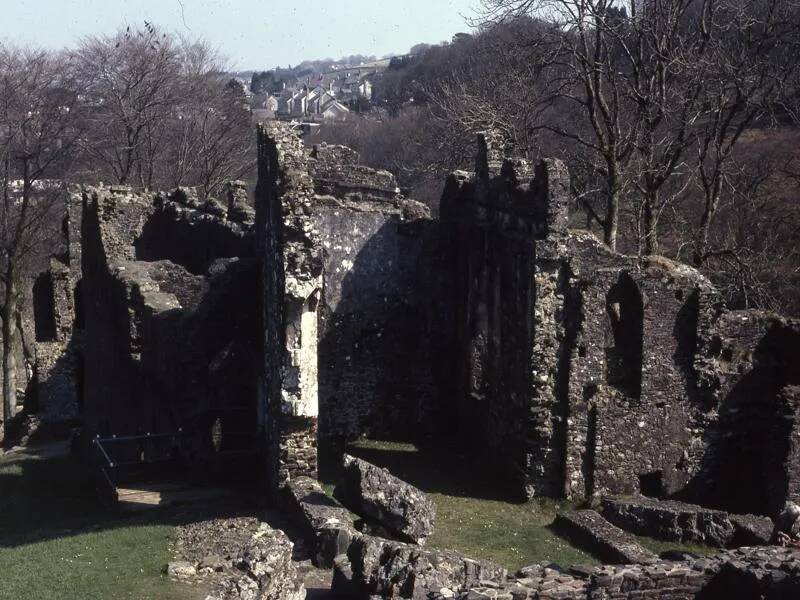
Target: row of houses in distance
[(328, 96)]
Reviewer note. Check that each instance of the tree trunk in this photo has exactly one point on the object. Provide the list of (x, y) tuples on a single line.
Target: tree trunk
[(9, 360), (610, 225), (650, 225), (8, 312), (28, 353), (701, 245), (611, 221)]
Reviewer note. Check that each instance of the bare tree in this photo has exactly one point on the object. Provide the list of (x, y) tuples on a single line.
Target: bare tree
[(754, 75), (495, 86), (161, 112), (579, 48), (130, 82), (752, 251), (39, 116), (645, 78), (210, 127)]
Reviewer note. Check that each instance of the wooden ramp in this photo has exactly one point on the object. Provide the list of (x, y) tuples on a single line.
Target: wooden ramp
[(154, 495)]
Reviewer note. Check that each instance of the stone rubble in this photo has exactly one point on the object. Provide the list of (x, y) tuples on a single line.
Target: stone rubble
[(266, 570), (366, 565), (243, 558), (391, 569), (375, 493), (321, 518), (223, 538), (589, 529), (682, 522), (737, 574), (787, 525)]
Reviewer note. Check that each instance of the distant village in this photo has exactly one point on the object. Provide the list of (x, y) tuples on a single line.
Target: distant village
[(310, 98)]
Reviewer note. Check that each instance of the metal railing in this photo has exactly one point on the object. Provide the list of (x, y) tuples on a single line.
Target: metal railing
[(125, 459), (112, 463), (140, 440)]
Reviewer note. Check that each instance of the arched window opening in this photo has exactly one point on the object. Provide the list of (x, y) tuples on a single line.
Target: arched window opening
[(309, 332), (624, 340), (44, 316)]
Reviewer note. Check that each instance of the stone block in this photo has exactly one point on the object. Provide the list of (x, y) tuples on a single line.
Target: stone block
[(684, 522), (321, 518), (375, 493), (588, 528)]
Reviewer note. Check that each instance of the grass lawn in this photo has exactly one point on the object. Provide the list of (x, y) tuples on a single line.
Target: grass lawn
[(659, 546), (124, 562), (473, 515), (57, 541), (514, 535)]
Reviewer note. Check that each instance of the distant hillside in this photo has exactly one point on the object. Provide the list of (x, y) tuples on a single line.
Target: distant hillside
[(272, 77)]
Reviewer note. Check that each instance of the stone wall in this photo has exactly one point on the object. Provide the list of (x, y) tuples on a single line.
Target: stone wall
[(339, 308), (168, 349), (58, 327), (336, 172), (582, 372), (504, 230), (682, 522), (589, 530), (56, 371), (633, 410), (58, 347), (291, 259), (374, 363), (374, 376), (112, 219), (193, 234), (748, 369), (741, 574), (345, 324)]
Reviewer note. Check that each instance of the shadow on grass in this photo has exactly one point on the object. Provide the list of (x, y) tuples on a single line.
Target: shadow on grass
[(55, 497)]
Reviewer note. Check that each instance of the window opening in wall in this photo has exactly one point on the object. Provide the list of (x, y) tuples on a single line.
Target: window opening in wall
[(624, 341), (652, 484), (591, 450), (78, 299), (309, 390), (44, 315), (216, 435)]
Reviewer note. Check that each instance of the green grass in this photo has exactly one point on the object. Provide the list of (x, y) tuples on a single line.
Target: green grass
[(126, 562), (57, 541), (473, 515), (514, 535), (659, 546)]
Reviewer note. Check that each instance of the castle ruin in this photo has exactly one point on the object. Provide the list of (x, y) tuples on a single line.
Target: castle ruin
[(264, 340)]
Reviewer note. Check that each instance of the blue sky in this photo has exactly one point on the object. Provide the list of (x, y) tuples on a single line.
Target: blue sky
[(253, 34)]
